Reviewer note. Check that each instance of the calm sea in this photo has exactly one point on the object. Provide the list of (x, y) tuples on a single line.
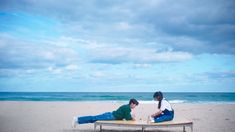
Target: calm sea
[(145, 97)]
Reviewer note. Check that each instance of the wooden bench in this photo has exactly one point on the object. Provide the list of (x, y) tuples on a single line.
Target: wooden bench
[(143, 124)]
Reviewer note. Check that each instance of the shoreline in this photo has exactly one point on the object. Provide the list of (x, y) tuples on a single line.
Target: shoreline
[(119, 101)]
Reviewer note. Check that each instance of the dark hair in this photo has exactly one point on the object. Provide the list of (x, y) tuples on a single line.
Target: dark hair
[(133, 101), (160, 95)]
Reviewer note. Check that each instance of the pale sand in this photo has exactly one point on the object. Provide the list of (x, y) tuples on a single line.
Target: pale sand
[(57, 116)]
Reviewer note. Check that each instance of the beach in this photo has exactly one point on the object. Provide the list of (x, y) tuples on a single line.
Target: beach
[(56, 116)]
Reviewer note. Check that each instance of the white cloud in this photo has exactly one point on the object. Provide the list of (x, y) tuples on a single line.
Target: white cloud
[(97, 74), (18, 53), (66, 41), (150, 20), (123, 26), (136, 55), (142, 65), (47, 55), (72, 67), (172, 56), (54, 70)]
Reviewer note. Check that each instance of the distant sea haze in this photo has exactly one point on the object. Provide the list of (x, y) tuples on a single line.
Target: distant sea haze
[(143, 97)]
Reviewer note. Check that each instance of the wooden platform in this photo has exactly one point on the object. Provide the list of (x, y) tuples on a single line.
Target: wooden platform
[(144, 125)]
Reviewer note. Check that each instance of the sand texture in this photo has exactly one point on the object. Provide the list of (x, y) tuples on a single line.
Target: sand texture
[(56, 116)]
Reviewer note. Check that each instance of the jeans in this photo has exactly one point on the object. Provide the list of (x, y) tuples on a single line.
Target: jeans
[(166, 116), (92, 119)]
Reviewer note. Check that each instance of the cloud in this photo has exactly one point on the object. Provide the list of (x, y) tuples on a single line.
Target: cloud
[(81, 40), (208, 26), (206, 22), (132, 55), (123, 26), (47, 55), (72, 67), (65, 69), (97, 74), (142, 65), (26, 25), (221, 75), (55, 70), (21, 54)]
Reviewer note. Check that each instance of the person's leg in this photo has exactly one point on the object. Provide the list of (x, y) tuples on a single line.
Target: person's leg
[(84, 119), (163, 118), (104, 116), (92, 119)]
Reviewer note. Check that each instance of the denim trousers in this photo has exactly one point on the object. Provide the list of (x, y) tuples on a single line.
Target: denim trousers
[(166, 116), (92, 119)]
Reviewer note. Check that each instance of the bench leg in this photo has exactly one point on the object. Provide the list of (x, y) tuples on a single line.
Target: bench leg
[(95, 127), (142, 129), (191, 128), (184, 129), (100, 128)]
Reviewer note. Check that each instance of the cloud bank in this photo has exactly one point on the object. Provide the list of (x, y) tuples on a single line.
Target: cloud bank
[(135, 43)]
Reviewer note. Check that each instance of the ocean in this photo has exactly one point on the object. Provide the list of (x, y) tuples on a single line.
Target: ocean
[(144, 97)]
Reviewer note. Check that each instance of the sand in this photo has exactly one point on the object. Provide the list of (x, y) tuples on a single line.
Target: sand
[(56, 116)]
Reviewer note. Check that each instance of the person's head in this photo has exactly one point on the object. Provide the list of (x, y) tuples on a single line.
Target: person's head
[(158, 96), (133, 103)]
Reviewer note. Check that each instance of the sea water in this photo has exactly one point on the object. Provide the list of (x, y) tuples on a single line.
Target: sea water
[(143, 97)]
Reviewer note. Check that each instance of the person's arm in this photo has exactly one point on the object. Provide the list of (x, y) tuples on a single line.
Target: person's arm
[(127, 113), (128, 116), (133, 117), (156, 114)]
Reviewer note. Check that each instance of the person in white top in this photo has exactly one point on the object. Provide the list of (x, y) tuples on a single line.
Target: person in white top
[(165, 111)]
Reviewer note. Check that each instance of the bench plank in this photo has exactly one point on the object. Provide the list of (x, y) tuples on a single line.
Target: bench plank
[(143, 124)]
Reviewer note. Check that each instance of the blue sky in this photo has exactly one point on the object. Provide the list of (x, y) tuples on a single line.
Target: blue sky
[(117, 46)]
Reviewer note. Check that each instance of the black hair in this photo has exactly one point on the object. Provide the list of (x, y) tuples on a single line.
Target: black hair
[(160, 95), (133, 101)]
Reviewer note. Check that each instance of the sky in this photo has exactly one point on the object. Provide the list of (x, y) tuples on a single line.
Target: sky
[(117, 45)]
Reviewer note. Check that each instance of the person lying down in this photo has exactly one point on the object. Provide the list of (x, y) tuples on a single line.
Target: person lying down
[(122, 113)]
